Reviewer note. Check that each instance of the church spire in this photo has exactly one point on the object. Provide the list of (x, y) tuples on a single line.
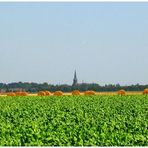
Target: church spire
[(75, 80)]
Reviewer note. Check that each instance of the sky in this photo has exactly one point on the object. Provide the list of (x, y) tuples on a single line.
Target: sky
[(106, 43)]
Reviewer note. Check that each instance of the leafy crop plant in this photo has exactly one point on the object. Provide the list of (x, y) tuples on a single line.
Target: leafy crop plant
[(77, 120)]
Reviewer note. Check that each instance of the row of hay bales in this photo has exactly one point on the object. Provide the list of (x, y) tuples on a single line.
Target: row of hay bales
[(89, 92), (60, 93), (17, 94), (122, 92), (77, 92)]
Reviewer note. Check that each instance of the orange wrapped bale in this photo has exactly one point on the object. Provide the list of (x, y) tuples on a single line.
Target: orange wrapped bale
[(76, 92), (145, 91), (58, 93), (121, 92), (89, 92)]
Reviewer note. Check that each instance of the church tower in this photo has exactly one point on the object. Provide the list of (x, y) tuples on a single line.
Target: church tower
[(75, 80)]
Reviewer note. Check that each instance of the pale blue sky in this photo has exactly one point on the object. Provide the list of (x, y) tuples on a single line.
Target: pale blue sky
[(45, 42)]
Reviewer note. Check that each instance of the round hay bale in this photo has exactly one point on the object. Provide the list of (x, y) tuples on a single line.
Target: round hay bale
[(76, 92), (21, 93), (89, 92), (145, 91), (58, 93), (121, 92), (18, 93), (11, 94), (41, 93), (24, 94), (48, 93)]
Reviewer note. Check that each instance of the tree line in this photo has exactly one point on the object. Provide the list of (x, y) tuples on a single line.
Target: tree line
[(35, 87)]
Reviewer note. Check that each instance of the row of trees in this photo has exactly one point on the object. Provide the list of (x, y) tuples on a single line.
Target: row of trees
[(35, 87)]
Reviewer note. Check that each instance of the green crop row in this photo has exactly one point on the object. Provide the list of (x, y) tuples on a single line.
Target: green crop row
[(74, 121)]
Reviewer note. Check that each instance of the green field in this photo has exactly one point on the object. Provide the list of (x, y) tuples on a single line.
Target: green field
[(74, 121)]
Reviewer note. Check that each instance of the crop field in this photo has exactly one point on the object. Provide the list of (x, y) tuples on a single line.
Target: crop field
[(107, 120)]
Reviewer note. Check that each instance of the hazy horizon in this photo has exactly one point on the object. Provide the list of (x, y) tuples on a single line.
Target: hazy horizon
[(105, 42)]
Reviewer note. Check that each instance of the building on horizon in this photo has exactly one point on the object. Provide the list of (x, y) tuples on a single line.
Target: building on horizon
[(75, 80)]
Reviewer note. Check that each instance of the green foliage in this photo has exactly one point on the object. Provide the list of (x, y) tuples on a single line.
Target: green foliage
[(74, 121)]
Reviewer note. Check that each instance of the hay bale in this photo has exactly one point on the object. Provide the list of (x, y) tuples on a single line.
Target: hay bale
[(76, 92), (121, 92), (11, 94), (89, 92), (58, 93), (41, 93), (21, 93), (48, 93), (18, 93), (145, 91), (24, 94)]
